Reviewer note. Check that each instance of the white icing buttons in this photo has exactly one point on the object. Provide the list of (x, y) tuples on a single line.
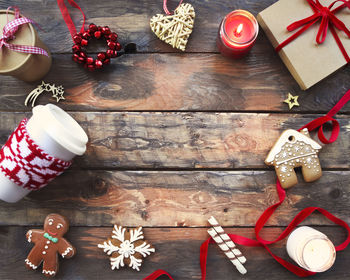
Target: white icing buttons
[(46, 247), (44, 252), (47, 242)]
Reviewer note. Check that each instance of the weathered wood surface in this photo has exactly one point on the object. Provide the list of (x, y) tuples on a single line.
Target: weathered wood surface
[(177, 251), (131, 21), (180, 82), (171, 170), (177, 198), (187, 140), (259, 82)]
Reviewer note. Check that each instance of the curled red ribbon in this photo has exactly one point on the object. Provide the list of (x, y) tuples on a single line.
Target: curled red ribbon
[(265, 216), (158, 273), (9, 30), (328, 20), (301, 216)]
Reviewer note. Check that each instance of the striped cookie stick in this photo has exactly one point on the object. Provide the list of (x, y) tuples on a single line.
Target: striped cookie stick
[(220, 231), (222, 245)]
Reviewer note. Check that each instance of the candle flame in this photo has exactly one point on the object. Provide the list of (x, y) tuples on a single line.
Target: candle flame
[(239, 29)]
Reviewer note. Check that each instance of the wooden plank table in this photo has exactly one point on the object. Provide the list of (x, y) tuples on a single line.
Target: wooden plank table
[(174, 138)]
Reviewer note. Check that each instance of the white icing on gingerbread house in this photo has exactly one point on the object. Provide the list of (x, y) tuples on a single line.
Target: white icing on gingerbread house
[(295, 149)]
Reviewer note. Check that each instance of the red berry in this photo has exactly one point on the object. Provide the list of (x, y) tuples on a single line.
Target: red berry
[(86, 35), (111, 45), (106, 30), (83, 54), (84, 42), (113, 37), (98, 64), (77, 38), (76, 48), (106, 61), (97, 34), (91, 67), (118, 47), (92, 27), (75, 57), (81, 59), (90, 60), (101, 56), (109, 53)]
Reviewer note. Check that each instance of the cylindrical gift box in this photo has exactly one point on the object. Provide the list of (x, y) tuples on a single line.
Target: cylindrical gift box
[(311, 249), (57, 134), (24, 66)]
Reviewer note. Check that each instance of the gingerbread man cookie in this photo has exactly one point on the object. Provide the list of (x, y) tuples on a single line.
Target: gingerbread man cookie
[(295, 149), (48, 243)]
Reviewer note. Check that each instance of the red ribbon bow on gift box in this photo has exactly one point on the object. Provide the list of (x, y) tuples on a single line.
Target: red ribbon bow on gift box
[(8, 33), (328, 20)]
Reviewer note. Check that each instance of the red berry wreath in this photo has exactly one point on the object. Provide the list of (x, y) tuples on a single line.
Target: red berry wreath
[(82, 39)]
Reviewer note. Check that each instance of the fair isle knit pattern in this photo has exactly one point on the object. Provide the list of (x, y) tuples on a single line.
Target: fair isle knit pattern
[(26, 164)]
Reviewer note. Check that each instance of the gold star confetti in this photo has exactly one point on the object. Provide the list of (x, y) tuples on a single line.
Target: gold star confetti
[(292, 101)]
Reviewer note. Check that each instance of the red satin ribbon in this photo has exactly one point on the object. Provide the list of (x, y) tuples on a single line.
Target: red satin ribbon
[(158, 273), (67, 18), (260, 242), (165, 7), (328, 20), (301, 216)]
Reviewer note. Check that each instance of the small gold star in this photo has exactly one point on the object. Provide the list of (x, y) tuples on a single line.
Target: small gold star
[(292, 101), (58, 93)]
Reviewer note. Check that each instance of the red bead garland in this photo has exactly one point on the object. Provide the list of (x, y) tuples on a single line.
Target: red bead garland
[(81, 40)]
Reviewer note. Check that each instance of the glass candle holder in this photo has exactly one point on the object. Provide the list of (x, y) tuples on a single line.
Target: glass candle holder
[(237, 33), (311, 249)]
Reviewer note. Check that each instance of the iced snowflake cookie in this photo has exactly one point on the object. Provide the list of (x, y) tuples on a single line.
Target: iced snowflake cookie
[(48, 243), (126, 247)]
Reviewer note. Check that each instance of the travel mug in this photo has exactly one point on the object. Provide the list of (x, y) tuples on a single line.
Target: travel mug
[(57, 134)]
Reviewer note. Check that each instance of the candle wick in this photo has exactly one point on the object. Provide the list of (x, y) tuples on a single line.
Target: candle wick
[(238, 31)]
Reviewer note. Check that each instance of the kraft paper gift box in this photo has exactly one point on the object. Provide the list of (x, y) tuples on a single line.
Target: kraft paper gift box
[(306, 60)]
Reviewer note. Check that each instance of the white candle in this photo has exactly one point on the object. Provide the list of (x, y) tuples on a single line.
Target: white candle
[(311, 249)]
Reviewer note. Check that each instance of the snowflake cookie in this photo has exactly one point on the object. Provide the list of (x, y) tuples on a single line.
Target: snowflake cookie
[(126, 247)]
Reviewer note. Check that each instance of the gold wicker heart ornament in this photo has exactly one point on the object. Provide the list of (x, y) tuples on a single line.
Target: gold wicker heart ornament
[(175, 29)]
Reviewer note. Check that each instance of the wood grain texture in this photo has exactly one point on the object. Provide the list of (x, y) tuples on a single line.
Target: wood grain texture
[(131, 21), (177, 251), (177, 198), (258, 82), (187, 140), (180, 82), (201, 155)]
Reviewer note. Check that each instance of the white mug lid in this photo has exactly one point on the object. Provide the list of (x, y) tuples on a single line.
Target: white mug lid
[(61, 127)]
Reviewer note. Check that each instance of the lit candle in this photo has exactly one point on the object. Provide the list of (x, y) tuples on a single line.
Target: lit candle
[(237, 33), (311, 249)]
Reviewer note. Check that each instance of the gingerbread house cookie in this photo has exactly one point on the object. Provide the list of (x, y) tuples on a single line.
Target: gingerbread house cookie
[(295, 149)]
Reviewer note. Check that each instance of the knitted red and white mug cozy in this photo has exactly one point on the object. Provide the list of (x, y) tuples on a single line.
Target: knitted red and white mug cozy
[(26, 164)]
